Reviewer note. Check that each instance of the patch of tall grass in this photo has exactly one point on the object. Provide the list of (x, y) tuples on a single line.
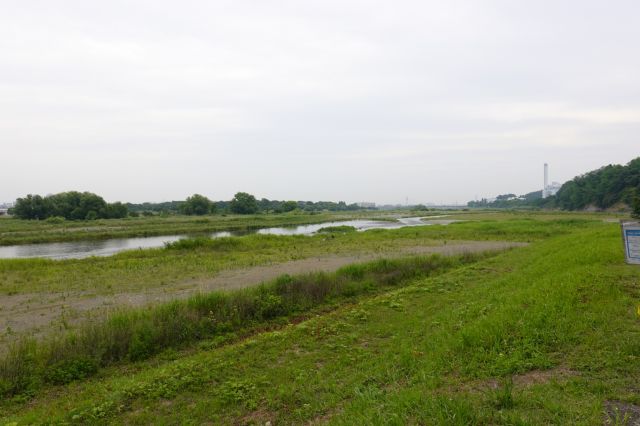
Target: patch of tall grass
[(337, 229), (225, 243), (137, 334)]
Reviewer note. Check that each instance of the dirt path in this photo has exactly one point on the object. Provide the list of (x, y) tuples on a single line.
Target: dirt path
[(39, 313)]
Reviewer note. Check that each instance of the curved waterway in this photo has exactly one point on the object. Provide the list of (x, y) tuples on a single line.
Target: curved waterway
[(87, 248)]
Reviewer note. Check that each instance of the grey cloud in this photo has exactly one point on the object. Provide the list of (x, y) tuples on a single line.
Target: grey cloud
[(354, 100)]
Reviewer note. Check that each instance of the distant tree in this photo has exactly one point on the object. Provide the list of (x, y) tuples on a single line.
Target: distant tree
[(197, 205), (289, 206), (244, 203), (266, 205), (532, 196), (72, 205), (76, 205), (479, 203), (31, 207), (115, 211), (170, 206)]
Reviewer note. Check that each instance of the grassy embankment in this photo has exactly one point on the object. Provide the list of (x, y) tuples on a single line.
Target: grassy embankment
[(161, 268), (15, 231), (134, 335), (540, 335)]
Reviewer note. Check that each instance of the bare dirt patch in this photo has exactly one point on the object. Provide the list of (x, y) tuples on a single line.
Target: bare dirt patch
[(537, 377), (621, 413), (39, 313), (258, 417), (520, 381)]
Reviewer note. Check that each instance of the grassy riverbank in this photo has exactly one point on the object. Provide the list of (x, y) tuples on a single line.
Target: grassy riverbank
[(15, 231), (137, 334), (157, 268), (546, 334)]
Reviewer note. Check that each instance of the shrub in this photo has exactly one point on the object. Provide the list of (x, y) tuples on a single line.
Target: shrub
[(55, 219), (218, 244), (142, 343), (70, 370), (270, 306), (337, 229), (188, 243)]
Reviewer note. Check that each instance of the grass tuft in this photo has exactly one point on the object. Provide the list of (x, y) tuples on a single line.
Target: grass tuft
[(337, 229), (216, 244), (503, 397)]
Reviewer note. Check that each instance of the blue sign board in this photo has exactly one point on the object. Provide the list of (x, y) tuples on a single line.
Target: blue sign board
[(631, 235)]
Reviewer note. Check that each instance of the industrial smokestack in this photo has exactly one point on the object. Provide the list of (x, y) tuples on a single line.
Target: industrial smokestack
[(546, 181)]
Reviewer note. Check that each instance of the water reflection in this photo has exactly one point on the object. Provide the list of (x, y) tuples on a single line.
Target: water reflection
[(80, 249)]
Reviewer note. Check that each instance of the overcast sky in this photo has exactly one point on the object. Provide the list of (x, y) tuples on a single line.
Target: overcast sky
[(438, 101)]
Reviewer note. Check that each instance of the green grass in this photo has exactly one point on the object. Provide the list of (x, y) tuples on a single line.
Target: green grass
[(183, 261), (337, 229), (16, 231), (137, 334), (427, 353)]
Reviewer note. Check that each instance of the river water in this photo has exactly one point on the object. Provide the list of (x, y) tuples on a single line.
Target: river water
[(87, 248)]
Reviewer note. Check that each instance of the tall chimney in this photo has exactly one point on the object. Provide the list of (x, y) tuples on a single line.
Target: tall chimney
[(546, 181)]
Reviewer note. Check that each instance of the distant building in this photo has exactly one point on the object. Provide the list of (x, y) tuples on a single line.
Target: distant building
[(366, 205), (4, 208), (553, 188), (549, 189), (390, 207)]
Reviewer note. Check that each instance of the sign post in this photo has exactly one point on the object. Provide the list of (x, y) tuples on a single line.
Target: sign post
[(631, 239)]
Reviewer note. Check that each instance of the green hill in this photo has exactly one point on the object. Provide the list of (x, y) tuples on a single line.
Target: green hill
[(602, 188)]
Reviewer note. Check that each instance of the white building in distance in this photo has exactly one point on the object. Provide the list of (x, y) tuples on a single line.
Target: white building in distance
[(366, 205), (549, 189)]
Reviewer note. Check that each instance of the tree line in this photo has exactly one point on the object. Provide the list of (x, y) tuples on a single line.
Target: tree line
[(74, 205), (242, 203)]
